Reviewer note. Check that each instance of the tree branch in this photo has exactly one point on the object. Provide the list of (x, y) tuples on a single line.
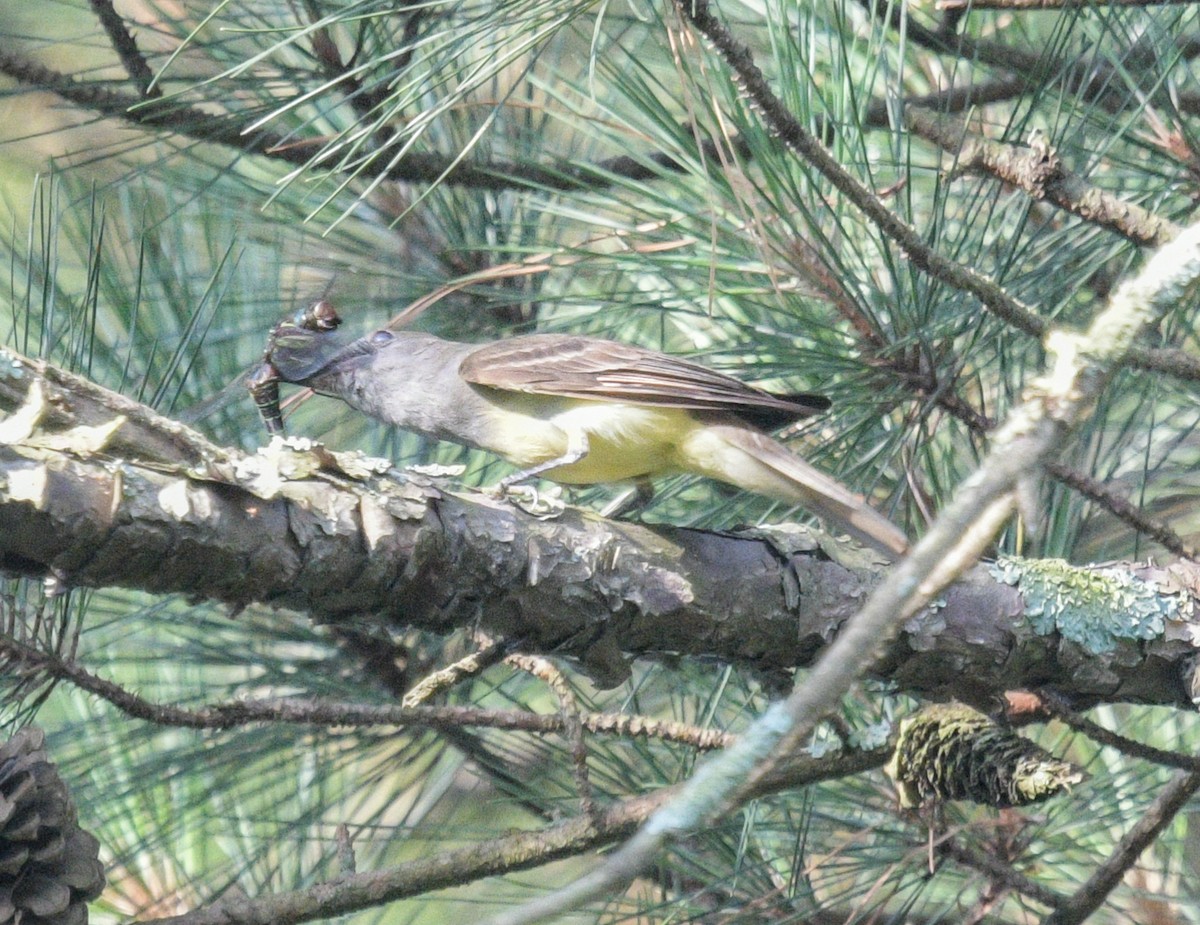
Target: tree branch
[(506, 854), (1088, 898), (1034, 434), (1123, 509), (792, 133), (923, 382), (1039, 173), (324, 713), (997, 870), (156, 507), (950, 100), (1123, 744), (225, 129), (126, 48)]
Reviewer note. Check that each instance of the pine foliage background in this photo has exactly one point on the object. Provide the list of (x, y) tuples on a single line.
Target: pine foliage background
[(555, 165)]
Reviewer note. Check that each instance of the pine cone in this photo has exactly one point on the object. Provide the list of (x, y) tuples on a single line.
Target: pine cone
[(49, 867), (952, 752)]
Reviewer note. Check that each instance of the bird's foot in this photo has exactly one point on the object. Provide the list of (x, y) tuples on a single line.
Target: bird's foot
[(543, 505)]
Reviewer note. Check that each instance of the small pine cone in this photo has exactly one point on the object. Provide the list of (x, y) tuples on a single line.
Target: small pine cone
[(49, 867), (952, 752)]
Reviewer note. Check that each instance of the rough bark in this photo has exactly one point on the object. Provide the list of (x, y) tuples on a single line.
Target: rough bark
[(96, 490)]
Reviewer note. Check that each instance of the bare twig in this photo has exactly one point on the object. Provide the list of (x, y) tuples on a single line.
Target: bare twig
[(468, 666), (1123, 509), (416, 167), (1097, 492), (506, 854), (326, 713), (997, 870), (915, 376), (1038, 172), (1088, 898), (1058, 708), (353, 892), (568, 708), (125, 46), (952, 99), (1169, 361)]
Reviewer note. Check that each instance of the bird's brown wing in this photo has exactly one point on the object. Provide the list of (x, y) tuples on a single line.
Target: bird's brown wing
[(591, 368)]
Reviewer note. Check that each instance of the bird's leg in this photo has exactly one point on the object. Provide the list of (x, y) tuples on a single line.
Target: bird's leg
[(633, 499), (577, 448)]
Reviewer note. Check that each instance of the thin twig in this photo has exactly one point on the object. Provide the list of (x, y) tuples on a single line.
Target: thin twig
[(1169, 361), (125, 46), (502, 855), (1089, 897), (568, 708), (1097, 492), (468, 666), (325, 713), (1123, 509), (952, 99), (997, 870), (371, 889), (1058, 708), (1038, 171), (415, 167)]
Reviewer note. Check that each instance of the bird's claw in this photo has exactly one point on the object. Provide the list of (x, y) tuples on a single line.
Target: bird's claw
[(543, 505)]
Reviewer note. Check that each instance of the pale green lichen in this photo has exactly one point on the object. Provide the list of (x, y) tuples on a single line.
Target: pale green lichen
[(872, 735), (1094, 607), (11, 365)]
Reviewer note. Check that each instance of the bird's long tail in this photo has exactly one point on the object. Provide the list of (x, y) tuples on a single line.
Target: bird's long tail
[(752, 460)]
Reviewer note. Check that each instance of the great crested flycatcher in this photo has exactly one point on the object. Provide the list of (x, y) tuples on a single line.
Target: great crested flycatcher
[(573, 409)]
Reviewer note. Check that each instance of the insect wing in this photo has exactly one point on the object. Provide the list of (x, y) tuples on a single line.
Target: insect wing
[(297, 352)]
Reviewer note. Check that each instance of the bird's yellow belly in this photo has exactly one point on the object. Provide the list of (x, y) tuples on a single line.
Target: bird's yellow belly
[(624, 441)]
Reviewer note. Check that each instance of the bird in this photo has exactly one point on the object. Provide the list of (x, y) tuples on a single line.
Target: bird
[(574, 409)]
